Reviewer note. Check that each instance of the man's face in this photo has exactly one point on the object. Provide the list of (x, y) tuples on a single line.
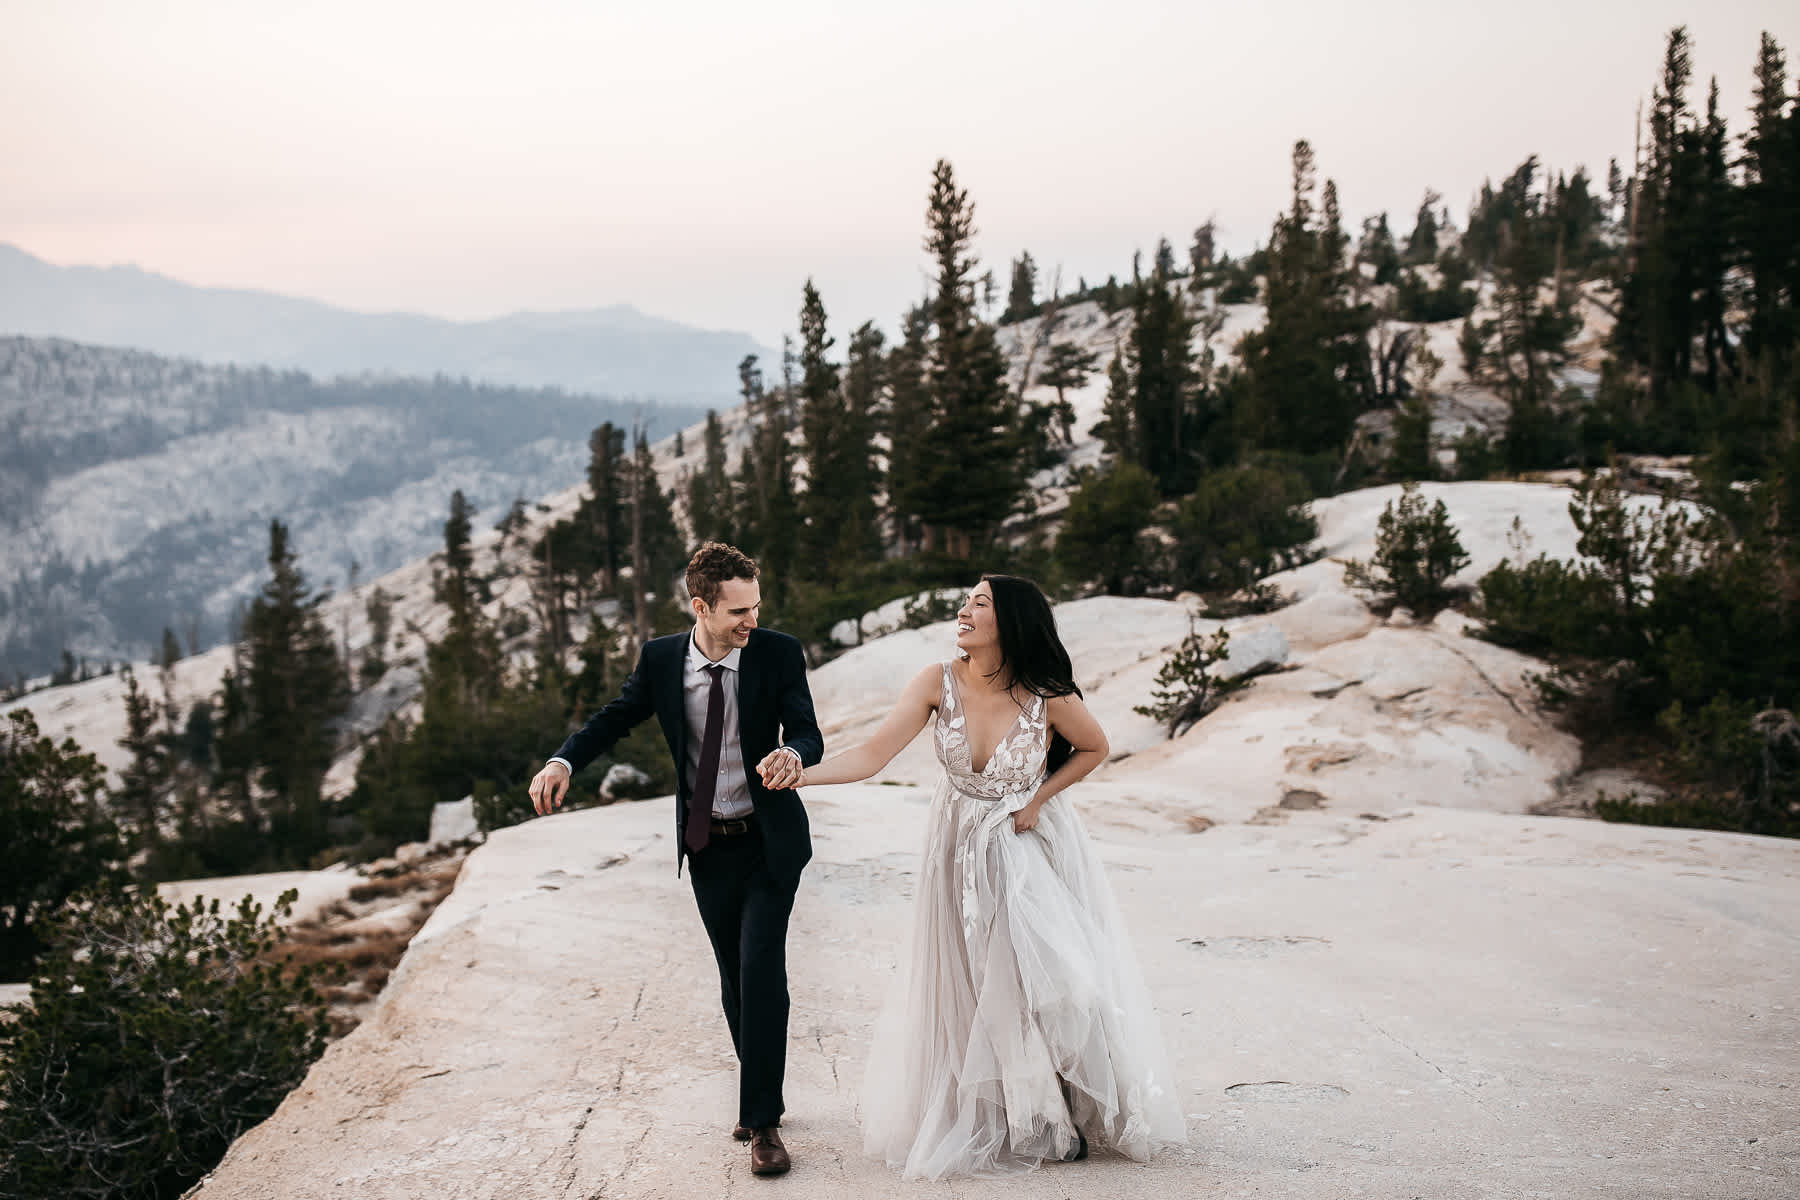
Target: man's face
[(727, 622)]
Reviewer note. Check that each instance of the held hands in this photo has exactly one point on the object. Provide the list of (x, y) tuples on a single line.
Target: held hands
[(548, 787), (1027, 817), (780, 768)]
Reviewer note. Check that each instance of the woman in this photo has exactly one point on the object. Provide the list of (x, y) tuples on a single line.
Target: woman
[(1022, 1024)]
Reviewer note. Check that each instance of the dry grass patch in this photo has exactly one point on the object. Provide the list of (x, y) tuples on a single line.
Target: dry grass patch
[(357, 961)]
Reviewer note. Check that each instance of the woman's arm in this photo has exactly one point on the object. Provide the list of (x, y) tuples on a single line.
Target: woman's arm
[(1068, 716), (909, 716)]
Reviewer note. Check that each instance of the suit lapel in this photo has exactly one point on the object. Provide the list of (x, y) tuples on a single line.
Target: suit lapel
[(746, 695), (675, 675)]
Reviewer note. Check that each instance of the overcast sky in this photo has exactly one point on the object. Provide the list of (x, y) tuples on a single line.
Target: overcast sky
[(701, 160)]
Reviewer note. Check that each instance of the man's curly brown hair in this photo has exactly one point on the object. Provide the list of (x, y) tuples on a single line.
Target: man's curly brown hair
[(714, 563)]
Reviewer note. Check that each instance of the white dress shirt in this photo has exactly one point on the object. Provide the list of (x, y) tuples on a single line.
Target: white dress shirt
[(731, 798)]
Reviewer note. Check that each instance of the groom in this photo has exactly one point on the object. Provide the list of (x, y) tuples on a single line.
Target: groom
[(721, 694)]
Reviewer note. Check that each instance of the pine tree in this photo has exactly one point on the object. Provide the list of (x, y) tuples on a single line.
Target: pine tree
[(971, 478), (1768, 231), (1159, 352), (455, 587), (822, 436), (1103, 533), (656, 547), (907, 416), (605, 502), (295, 688), (1067, 367), (1201, 255), (1409, 454), (1422, 242), (145, 777), (1378, 251), (859, 529), (709, 499), (378, 609), (771, 517), (1117, 428), (56, 837), (1654, 330), (748, 485), (1021, 296), (1164, 262), (1306, 371)]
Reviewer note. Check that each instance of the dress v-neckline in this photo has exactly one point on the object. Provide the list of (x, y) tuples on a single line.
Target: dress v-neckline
[(968, 743)]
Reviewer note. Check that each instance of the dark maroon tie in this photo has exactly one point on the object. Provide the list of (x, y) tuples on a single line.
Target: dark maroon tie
[(706, 778)]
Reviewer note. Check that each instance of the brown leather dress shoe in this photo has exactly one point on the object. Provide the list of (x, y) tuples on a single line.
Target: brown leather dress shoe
[(767, 1155), (741, 1132)]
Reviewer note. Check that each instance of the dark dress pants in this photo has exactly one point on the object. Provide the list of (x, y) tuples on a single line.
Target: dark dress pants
[(745, 909)]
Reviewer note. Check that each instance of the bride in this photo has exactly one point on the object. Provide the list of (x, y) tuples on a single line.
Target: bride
[(1022, 1025)]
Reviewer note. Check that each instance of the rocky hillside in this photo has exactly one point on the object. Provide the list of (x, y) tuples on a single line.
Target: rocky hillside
[(136, 491), (91, 711)]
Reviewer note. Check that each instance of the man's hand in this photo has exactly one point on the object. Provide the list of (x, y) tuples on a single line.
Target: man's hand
[(548, 787), (780, 769)]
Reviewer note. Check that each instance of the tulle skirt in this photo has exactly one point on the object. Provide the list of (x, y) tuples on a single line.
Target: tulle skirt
[(1020, 1013)]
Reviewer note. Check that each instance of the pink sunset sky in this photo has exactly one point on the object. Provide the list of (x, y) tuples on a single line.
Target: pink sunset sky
[(701, 160)]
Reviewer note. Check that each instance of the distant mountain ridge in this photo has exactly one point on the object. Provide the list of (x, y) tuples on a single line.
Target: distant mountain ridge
[(136, 490), (616, 350)]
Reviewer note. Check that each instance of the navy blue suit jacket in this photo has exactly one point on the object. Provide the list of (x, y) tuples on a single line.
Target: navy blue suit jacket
[(775, 708)]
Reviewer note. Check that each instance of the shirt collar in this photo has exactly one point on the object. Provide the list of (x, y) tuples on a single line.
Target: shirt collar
[(698, 661)]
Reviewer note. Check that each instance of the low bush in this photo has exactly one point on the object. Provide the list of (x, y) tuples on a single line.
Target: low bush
[(1417, 550), (154, 1037)]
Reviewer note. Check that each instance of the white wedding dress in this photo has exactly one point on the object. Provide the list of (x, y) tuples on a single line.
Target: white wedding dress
[(1022, 988)]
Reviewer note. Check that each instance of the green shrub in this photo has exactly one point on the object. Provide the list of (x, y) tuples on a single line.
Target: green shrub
[(55, 837), (155, 1036), (1417, 550), (1240, 524), (1674, 635), (1186, 688), (1103, 532), (1545, 606)]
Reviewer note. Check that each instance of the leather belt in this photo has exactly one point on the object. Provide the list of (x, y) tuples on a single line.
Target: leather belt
[(736, 827)]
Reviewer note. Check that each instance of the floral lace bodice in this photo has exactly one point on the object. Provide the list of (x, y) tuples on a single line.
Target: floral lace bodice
[(1017, 764)]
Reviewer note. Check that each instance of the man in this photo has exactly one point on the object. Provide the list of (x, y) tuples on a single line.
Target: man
[(727, 695)]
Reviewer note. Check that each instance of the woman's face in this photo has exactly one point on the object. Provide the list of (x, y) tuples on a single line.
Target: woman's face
[(975, 627)]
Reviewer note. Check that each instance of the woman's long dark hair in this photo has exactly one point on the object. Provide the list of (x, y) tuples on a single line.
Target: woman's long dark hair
[(1031, 652)]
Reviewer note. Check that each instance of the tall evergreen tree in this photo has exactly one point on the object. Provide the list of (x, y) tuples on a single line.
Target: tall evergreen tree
[(456, 586), (1201, 256), (1021, 295), (905, 420), (1422, 242), (1768, 230), (709, 498), (859, 530), (771, 526), (656, 546), (1066, 367), (294, 690), (1162, 384), (140, 794), (1117, 429), (1306, 371), (822, 436), (971, 473), (606, 501)]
